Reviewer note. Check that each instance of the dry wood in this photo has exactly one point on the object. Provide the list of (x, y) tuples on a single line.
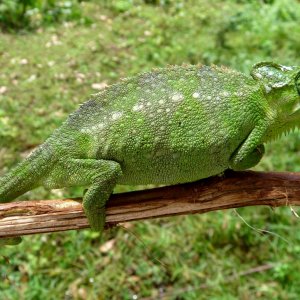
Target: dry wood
[(234, 189)]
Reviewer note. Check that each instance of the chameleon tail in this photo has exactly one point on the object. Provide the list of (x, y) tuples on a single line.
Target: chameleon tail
[(26, 175)]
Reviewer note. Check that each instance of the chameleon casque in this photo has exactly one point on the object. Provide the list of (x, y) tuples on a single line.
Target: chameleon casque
[(168, 126)]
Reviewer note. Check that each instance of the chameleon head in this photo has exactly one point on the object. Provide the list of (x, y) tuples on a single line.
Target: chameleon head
[(282, 91)]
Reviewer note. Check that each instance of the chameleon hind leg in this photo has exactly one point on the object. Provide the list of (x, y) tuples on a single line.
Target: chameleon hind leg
[(99, 175), (98, 193)]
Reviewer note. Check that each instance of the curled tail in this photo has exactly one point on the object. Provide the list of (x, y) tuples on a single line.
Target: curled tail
[(27, 175)]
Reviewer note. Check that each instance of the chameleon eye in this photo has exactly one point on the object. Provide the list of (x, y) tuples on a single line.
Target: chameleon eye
[(297, 82)]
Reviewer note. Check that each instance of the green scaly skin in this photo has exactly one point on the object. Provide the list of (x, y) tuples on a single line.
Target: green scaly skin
[(168, 126)]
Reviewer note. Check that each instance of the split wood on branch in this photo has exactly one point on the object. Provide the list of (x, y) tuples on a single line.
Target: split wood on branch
[(234, 189)]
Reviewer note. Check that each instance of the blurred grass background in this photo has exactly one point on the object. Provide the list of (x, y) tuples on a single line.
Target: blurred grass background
[(53, 55)]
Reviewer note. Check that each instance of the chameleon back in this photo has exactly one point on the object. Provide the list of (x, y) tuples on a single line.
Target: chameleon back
[(169, 126)]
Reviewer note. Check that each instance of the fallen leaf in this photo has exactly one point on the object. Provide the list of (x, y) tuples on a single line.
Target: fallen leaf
[(99, 86), (103, 17), (54, 41), (31, 78), (3, 90), (23, 61), (50, 63), (106, 247)]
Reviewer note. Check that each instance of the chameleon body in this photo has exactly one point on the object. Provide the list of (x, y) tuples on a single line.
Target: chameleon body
[(168, 126)]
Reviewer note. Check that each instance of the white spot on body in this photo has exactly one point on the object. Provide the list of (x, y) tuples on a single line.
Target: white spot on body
[(105, 150), (138, 107), (135, 107), (268, 89), (116, 115), (177, 97), (161, 101), (284, 68), (196, 95)]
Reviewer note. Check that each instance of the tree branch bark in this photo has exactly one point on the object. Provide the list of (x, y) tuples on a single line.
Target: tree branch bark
[(234, 189)]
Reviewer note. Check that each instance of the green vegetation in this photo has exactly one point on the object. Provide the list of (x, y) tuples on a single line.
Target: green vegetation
[(47, 72), (29, 14)]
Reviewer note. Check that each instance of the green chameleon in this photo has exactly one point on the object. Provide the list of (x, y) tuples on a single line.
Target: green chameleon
[(168, 126)]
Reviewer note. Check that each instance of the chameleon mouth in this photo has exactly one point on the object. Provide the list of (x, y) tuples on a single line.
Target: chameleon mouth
[(297, 83), (296, 111)]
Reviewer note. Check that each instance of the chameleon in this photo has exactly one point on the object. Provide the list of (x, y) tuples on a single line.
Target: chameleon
[(168, 126)]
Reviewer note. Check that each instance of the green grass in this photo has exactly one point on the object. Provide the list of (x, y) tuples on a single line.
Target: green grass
[(45, 75)]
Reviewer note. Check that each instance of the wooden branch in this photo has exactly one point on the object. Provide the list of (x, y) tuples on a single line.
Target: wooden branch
[(234, 189)]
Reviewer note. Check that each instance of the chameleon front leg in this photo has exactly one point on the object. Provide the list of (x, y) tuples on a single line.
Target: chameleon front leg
[(99, 175), (250, 160), (10, 241), (250, 152)]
